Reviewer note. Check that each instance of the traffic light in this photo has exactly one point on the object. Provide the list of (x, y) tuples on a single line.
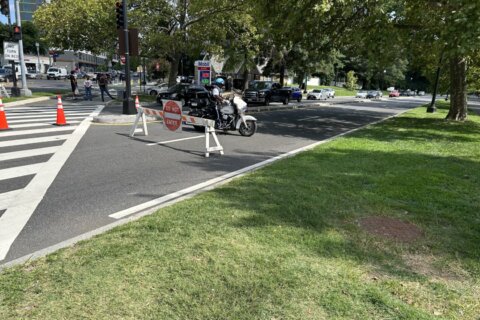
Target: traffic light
[(17, 33), (120, 15), (5, 8)]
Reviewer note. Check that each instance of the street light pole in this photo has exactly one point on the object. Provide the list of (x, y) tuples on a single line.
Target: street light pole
[(24, 90), (37, 45)]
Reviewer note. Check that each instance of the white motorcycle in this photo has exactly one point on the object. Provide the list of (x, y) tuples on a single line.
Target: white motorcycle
[(229, 116)]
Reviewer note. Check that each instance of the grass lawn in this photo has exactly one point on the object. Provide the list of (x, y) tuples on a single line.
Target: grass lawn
[(35, 95), (286, 242)]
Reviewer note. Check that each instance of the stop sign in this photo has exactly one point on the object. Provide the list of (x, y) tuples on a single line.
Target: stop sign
[(172, 115)]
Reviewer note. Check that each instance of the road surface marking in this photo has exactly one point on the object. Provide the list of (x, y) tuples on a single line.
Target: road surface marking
[(12, 116), (35, 131), (52, 117), (21, 209), (20, 142), (17, 172), (7, 197), (27, 153), (38, 124), (171, 141)]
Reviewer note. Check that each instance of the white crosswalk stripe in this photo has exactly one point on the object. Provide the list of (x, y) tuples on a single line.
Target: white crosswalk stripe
[(21, 147), (7, 197), (17, 172), (27, 153), (21, 142)]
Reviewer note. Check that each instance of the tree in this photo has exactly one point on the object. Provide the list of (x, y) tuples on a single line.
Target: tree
[(175, 29), (450, 30), (351, 80), (78, 25)]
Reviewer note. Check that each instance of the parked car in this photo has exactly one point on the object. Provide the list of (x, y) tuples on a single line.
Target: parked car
[(361, 94), (183, 92), (317, 94), (264, 92), (329, 92), (153, 88), (6, 75), (296, 93), (374, 94), (421, 93), (33, 74), (394, 93), (56, 73)]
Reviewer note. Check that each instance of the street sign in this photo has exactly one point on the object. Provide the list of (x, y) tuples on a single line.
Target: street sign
[(11, 51), (172, 115), (203, 72)]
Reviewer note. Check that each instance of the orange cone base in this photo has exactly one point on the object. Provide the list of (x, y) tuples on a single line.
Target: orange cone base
[(61, 125), (5, 129)]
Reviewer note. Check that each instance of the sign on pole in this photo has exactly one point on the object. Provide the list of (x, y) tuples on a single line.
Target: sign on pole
[(11, 51), (203, 72), (172, 115)]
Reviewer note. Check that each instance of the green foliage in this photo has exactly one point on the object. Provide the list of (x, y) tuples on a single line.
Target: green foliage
[(351, 83), (78, 25), (30, 37)]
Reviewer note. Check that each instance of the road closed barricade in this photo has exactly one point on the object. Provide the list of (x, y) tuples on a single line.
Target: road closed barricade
[(173, 120)]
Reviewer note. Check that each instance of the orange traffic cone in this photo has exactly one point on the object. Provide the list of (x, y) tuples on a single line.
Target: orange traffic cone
[(3, 117), (60, 114), (137, 102)]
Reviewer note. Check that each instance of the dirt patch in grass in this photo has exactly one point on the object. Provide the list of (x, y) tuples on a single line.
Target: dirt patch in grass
[(391, 228)]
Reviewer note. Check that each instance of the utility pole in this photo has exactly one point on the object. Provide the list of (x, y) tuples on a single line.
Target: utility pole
[(24, 91)]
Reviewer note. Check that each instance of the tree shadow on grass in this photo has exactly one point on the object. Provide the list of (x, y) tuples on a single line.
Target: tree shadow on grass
[(434, 129), (329, 190)]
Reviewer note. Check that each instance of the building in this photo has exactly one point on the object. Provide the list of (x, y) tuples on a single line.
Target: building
[(28, 7)]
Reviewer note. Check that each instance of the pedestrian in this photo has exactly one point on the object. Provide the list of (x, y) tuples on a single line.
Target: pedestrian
[(88, 88), (73, 84), (102, 83)]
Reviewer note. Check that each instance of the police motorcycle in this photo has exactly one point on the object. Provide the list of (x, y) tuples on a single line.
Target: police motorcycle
[(229, 115)]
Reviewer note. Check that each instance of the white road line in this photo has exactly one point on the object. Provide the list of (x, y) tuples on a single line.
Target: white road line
[(28, 153), (308, 118), (22, 171), (43, 116), (21, 209), (20, 142), (48, 108), (170, 141), (7, 197), (38, 124), (52, 117), (12, 133)]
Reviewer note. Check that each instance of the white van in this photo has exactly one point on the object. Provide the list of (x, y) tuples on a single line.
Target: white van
[(56, 73)]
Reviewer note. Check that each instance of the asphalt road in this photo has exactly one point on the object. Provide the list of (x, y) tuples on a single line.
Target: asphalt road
[(109, 172)]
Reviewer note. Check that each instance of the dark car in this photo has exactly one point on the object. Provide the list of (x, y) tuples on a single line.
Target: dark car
[(374, 94), (6, 75), (183, 92), (296, 93)]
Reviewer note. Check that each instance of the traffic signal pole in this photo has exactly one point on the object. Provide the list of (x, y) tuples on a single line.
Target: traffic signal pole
[(24, 91), (128, 88)]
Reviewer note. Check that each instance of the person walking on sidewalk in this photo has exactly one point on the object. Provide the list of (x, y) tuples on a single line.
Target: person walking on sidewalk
[(88, 88), (102, 83)]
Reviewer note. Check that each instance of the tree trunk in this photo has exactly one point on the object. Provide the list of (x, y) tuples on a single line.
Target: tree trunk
[(458, 89), (282, 73), (245, 78), (172, 76)]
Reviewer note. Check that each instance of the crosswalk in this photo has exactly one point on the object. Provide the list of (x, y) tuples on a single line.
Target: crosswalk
[(31, 155)]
